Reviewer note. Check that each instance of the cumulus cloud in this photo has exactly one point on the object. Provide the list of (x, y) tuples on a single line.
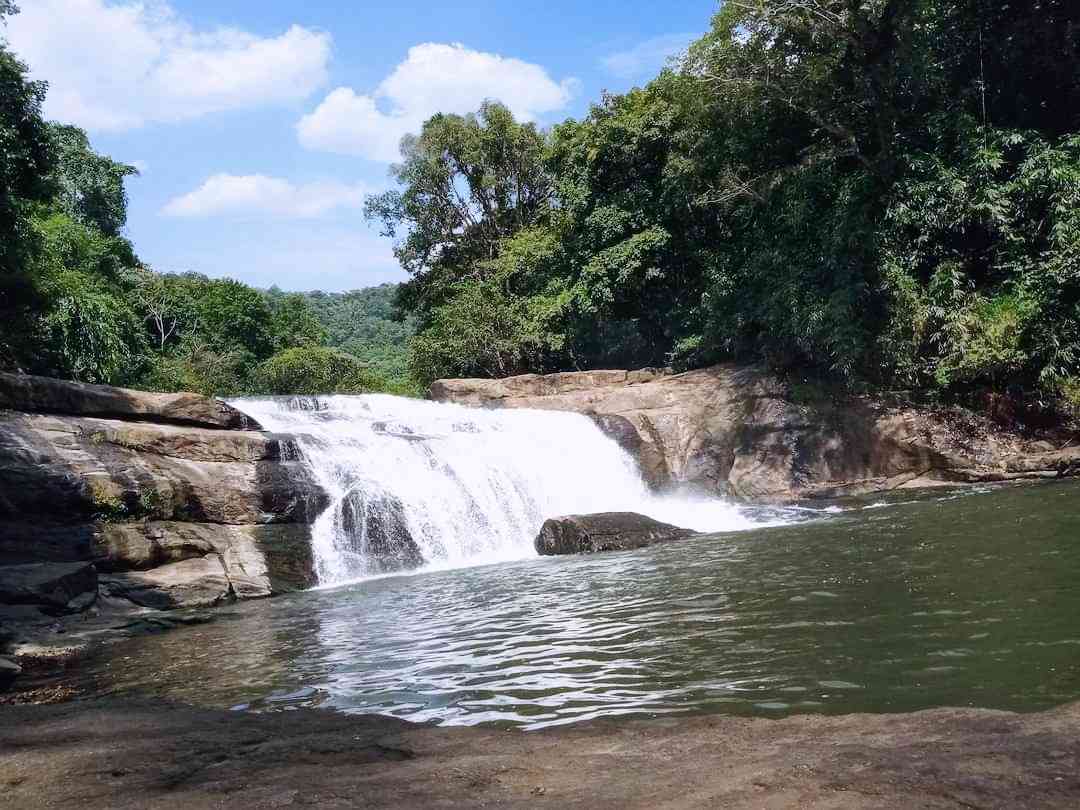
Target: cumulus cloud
[(119, 65), (433, 78), (647, 58), (259, 195)]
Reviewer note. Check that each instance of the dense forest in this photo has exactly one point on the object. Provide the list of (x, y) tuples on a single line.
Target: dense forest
[(882, 193)]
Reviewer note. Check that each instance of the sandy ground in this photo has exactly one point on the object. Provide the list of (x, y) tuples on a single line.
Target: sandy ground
[(123, 754)]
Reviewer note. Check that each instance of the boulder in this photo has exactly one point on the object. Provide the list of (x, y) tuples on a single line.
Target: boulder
[(34, 540), (54, 587), (25, 392), (604, 531)]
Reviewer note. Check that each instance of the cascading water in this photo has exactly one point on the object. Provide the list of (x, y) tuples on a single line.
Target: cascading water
[(417, 483)]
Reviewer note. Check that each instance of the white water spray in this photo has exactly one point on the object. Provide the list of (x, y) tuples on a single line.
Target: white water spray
[(471, 486)]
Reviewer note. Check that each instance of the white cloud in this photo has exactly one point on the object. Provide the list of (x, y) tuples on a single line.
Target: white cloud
[(257, 194), (433, 78), (647, 58), (119, 65)]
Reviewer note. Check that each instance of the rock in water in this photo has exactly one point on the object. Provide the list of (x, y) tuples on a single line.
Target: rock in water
[(378, 533), (604, 531)]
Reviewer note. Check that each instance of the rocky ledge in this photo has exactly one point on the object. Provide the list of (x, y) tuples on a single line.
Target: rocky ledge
[(604, 531), (117, 502), (742, 431)]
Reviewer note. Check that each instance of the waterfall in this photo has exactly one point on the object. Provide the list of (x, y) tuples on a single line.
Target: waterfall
[(415, 483)]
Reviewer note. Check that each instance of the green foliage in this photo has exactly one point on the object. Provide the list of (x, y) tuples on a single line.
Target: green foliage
[(293, 322), (468, 182), (26, 160), (89, 187), (88, 333), (315, 370), (980, 262), (367, 324), (884, 192), (507, 319)]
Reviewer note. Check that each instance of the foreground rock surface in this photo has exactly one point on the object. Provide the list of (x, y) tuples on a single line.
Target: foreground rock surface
[(604, 531), (124, 755), (741, 431)]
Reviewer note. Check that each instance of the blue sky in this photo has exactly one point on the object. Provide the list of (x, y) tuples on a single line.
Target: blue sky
[(260, 125)]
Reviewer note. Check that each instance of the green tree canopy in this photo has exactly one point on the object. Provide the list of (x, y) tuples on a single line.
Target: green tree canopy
[(467, 183), (315, 370)]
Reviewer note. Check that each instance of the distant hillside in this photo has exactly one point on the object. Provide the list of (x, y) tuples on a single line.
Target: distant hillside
[(362, 323)]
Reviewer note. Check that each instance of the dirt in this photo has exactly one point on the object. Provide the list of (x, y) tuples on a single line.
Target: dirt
[(126, 754)]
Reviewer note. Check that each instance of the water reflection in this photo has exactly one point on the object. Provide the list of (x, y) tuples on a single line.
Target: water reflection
[(966, 601)]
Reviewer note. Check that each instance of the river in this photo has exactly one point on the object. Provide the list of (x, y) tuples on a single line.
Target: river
[(942, 598)]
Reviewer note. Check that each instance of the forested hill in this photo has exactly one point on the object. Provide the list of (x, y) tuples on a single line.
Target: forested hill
[(364, 323)]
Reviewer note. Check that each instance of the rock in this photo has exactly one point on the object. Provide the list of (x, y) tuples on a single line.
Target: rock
[(604, 531), (24, 392), (55, 587), (139, 546), (39, 541), (86, 469), (197, 582), (378, 532), (743, 431), (9, 671), (259, 560)]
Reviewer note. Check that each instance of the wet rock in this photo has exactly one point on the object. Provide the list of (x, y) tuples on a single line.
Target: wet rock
[(174, 497), (379, 533), (24, 392), (198, 582), (54, 587), (743, 431), (80, 470), (604, 531), (23, 541), (9, 671)]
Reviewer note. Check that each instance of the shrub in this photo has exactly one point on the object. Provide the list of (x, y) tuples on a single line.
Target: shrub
[(314, 370)]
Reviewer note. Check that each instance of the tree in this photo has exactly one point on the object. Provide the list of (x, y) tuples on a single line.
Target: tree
[(468, 183), (88, 187), (314, 370), (26, 160), (163, 307), (294, 322)]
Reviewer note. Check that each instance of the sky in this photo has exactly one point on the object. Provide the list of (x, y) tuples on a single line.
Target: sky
[(259, 126)]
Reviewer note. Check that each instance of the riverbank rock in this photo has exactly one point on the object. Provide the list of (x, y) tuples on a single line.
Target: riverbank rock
[(743, 431), (154, 501), (604, 531), (52, 587)]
